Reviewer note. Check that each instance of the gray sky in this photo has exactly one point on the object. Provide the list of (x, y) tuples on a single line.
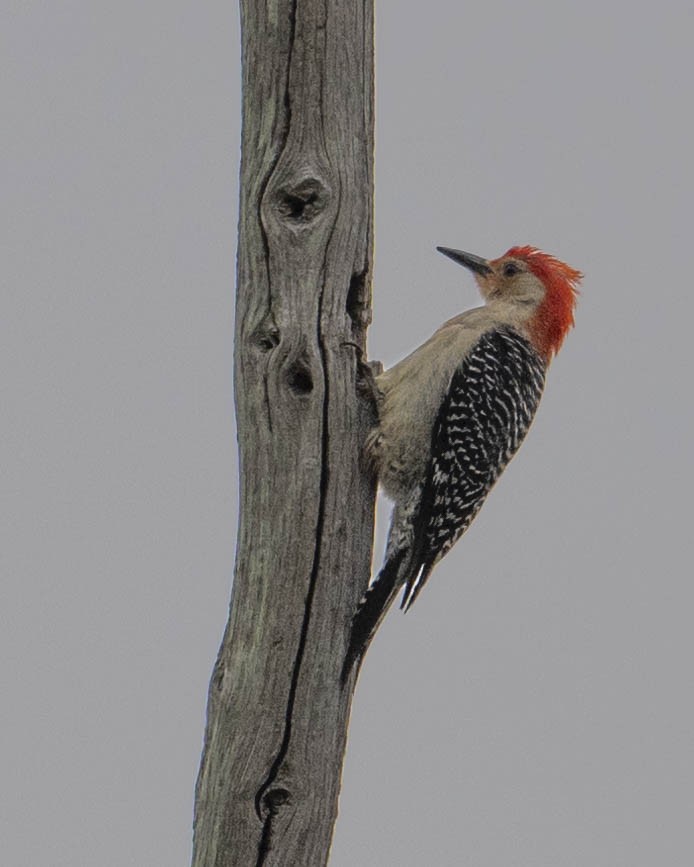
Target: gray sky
[(535, 707)]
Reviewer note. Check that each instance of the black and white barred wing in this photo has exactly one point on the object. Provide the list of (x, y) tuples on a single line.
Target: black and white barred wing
[(487, 410), (482, 421)]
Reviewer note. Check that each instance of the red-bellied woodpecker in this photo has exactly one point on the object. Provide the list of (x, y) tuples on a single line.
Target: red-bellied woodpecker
[(452, 414)]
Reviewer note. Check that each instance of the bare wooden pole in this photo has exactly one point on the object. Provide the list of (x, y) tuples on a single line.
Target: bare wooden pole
[(277, 717)]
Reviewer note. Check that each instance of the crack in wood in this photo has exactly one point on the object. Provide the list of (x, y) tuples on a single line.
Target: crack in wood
[(282, 143), (266, 796), (261, 798)]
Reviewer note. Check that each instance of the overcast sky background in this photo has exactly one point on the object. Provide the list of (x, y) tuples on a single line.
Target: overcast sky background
[(535, 707)]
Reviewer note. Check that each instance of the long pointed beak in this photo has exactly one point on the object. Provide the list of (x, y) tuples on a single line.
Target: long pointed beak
[(474, 263)]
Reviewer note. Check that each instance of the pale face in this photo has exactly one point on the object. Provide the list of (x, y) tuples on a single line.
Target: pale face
[(510, 279)]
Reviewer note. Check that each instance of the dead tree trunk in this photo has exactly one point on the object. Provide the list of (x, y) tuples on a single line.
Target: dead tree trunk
[(277, 717)]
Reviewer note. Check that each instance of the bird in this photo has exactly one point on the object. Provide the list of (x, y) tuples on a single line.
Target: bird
[(452, 414)]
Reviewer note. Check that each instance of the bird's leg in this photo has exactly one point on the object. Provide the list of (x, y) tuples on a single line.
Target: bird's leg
[(367, 371)]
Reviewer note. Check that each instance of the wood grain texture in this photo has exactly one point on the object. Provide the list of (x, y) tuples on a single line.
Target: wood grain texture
[(277, 718)]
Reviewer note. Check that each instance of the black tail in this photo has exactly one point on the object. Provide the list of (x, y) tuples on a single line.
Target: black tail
[(372, 609)]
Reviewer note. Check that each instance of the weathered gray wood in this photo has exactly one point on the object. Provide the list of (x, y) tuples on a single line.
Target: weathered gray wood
[(277, 717)]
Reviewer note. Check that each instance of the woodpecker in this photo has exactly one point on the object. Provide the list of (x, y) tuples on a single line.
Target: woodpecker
[(453, 413)]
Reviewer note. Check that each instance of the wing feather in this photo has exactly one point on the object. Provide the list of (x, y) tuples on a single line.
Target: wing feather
[(481, 423)]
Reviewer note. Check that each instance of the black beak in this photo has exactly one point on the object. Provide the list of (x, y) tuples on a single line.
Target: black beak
[(474, 263)]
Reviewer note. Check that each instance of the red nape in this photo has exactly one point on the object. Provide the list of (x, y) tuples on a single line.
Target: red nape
[(555, 316)]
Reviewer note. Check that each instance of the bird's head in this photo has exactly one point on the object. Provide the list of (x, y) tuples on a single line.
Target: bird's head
[(543, 287)]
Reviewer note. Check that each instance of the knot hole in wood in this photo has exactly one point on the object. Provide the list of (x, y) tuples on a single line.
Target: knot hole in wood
[(300, 376), (302, 202), (266, 337), (275, 798)]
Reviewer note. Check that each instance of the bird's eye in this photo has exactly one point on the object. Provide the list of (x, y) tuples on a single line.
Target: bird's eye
[(510, 268)]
